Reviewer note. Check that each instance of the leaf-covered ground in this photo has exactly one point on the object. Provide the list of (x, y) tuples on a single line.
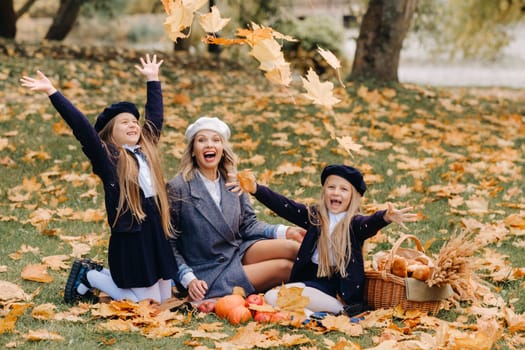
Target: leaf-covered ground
[(456, 155)]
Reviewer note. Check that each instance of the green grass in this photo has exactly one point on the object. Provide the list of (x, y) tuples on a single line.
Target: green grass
[(419, 122)]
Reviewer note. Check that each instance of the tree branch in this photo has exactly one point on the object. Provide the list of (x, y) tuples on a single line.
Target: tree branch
[(24, 9)]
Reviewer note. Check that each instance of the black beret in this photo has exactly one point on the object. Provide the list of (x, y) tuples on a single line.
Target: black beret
[(111, 111), (348, 173)]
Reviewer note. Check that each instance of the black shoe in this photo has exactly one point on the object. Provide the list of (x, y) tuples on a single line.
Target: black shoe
[(77, 275), (355, 309), (92, 264), (90, 297)]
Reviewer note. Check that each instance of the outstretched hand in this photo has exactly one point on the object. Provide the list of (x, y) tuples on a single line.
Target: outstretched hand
[(150, 67), (40, 83), (399, 215)]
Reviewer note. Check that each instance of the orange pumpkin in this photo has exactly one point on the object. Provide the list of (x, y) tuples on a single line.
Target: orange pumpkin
[(239, 314), (227, 303)]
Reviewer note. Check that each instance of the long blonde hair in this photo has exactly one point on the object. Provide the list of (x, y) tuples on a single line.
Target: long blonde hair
[(188, 165), (128, 171), (338, 242)]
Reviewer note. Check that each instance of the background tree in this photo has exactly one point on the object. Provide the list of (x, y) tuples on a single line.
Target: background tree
[(383, 29), (468, 29), (64, 19), (7, 19)]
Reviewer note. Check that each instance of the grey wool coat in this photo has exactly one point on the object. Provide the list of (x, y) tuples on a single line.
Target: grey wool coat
[(210, 242)]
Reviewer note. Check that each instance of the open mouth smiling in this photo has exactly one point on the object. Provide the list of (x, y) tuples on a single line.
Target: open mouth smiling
[(209, 155)]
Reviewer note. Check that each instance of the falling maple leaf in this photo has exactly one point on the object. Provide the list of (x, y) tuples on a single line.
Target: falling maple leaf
[(255, 35), (268, 53), (212, 21), (348, 144), (280, 75), (180, 17), (210, 39), (319, 93), (332, 61)]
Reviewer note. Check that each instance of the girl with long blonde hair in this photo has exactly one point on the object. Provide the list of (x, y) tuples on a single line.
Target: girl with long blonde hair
[(124, 155), (329, 265)]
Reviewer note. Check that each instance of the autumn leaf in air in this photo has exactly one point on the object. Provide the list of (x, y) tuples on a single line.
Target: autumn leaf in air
[(320, 93), (255, 35), (213, 22), (348, 144), (268, 53), (280, 75), (210, 39), (180, 16), (333, 61)]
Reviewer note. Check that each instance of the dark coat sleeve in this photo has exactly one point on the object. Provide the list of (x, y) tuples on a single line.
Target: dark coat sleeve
[(286, 208), (154, 110)]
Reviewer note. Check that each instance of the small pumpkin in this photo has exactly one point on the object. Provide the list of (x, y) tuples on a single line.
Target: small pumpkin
[(224, 305), (239, 314)]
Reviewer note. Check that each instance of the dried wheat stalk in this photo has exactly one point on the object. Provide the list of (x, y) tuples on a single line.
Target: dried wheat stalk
[(453, 267)]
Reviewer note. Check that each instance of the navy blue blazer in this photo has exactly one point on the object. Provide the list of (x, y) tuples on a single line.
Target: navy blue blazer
[(139, 253), (351, 287), (103, 160)]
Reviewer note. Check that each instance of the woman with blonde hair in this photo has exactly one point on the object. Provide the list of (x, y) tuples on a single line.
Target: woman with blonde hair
[(219, 242)]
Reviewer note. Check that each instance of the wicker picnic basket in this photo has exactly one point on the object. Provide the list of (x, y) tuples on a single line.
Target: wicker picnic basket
[(385, 290)]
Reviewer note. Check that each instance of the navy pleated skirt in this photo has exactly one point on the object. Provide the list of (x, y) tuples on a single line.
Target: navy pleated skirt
[(140, 259)]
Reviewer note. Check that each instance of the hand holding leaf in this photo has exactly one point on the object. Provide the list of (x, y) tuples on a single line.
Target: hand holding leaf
[(247, 181)]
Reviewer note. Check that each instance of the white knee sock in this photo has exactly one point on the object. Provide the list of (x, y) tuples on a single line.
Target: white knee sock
[(319, 301), (165, 289), (102, 280)]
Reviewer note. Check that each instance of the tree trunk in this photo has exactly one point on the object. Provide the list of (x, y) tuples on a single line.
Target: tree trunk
[(380, 40), (7, 19), (64, 19)]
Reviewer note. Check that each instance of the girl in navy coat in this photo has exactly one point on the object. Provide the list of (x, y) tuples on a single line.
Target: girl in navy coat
[(330, 264), (124, 155)]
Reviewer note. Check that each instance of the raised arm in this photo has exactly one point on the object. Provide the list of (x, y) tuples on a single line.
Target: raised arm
[(149, 68), (77, 121)]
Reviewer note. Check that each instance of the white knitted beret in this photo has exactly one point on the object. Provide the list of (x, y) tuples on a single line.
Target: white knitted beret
[(208, 123)]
